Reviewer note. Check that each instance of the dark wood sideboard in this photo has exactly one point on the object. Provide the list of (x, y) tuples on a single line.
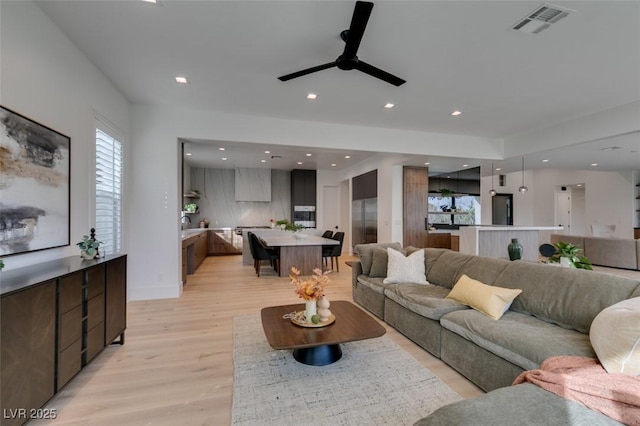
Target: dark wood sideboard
[(55, 317)]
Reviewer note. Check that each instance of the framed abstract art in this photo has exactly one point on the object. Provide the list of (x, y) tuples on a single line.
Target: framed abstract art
[(35, 168)]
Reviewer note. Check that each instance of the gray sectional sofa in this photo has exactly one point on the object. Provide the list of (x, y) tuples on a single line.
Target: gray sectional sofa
[(552, 315), (605, 251)]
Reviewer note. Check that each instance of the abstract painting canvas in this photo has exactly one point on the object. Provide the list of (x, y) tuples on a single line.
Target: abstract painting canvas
[(34, 185)]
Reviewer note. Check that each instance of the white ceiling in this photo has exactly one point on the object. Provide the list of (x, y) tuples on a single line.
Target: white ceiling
[(453, 54)]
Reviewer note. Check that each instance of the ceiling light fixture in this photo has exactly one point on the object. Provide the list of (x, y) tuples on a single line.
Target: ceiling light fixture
[(267, 152), (523, 188), (309, 154), (594, 164), (389, 105), (311, 96), (333, 164), (187, 153), (299, 162), (426, 164), (224, 158), (456, 113), (263, 161), (347, 156), (492, 191), (545, 161), (465, 165), (498, 169), (221, 148), (182, 80)]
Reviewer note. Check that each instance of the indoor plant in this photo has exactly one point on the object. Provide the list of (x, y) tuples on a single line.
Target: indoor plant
[(568, 254), (89, 247)]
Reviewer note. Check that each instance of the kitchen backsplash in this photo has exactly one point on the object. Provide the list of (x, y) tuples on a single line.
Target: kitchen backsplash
[(217, 199)]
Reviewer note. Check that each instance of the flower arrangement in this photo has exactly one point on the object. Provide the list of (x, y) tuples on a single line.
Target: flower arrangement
[(311, 288)]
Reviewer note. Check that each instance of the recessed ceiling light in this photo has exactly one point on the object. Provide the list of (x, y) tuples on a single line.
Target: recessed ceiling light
[(182, 80), (151, 1), (333, 164), (594, 164), (187, 153), (456, 113), (389, 105), (224, 158), (347, 156), (221, 148), (311, 96), (579, 185), (545, 161), (263, 161), (267, 152), (426, 164), (465, 165), (299, 162), (498, 169), (308, 154)]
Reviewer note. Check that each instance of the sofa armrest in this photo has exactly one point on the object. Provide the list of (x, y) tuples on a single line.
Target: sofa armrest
[(356, 271)]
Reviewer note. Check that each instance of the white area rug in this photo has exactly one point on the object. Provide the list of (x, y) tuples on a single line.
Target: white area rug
[(374, 383)]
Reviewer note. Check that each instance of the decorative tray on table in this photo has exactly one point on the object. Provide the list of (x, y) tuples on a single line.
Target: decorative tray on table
[(299, 316)]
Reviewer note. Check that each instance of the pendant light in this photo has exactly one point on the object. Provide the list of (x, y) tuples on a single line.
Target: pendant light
[(523, 188), (492, 191)]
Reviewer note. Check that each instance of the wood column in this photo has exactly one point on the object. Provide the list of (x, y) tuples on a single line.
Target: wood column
[(415, 205)]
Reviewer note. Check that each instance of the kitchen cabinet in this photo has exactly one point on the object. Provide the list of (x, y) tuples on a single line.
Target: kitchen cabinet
[(56, 317), (303, 188), (194, 250), (224, 241)]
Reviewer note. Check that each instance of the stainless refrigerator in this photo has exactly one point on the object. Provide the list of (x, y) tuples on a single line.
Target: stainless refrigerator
[(364, 221)]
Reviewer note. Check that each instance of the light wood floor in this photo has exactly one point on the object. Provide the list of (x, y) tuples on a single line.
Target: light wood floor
[(176, 365)]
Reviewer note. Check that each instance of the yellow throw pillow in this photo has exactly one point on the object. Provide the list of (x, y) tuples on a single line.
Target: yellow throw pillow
[(491, 301)]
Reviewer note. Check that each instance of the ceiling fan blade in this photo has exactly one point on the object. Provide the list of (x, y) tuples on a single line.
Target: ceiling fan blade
[(378, 73), (359, 21), (307, 71)]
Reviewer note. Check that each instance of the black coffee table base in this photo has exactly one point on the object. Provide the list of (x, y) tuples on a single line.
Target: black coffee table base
[(318, 355)]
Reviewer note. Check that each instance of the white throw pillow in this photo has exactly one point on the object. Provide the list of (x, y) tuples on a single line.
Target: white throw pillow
[(401, 269), (615, 337)]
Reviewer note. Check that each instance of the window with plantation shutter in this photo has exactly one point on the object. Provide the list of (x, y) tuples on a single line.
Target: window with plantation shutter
[(108, 210)]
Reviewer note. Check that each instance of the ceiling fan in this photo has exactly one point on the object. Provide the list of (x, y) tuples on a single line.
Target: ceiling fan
[(348, 60)]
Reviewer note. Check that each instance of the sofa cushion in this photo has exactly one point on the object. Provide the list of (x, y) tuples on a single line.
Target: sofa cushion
[(403, 269), (365, 252), (518, 338), (484, 269), (490, 300), (379, 263), (524, 404), (612, 252), (445, 270), (570, 298), (375, 284), (615, 336), (426, 300)]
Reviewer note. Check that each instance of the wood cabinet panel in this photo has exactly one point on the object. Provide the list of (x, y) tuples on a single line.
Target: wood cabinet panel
[(70, 291), (69, 363), (415, 206), (95, 311), (27, 341), (70, 328), (95, 341), (95, 281), (116, 300)]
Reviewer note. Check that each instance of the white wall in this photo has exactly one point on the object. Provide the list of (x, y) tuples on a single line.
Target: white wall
[(46, 78), (608, 198)]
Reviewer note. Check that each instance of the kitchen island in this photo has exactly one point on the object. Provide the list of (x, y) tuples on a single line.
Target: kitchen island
[(304, 253), (492, 241)]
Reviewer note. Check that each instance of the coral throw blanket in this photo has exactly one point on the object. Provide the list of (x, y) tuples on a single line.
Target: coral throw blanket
[(585, 381)]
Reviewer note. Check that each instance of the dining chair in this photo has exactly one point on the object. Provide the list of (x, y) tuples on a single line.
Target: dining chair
[(327, 234), (334, 251), (259, 253)]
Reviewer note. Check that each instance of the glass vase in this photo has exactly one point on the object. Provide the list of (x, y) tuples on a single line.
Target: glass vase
[(514, 249)]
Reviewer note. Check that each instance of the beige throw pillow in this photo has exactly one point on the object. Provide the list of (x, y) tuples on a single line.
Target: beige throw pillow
[(409, 269), (490, 300), (615, 337)]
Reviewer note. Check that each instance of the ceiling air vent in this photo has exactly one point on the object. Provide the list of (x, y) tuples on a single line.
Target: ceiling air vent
[(541, 19)]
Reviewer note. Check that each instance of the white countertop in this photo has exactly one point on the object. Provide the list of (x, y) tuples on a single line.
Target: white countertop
[(513, 228), (187, 233), (280, 239)]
